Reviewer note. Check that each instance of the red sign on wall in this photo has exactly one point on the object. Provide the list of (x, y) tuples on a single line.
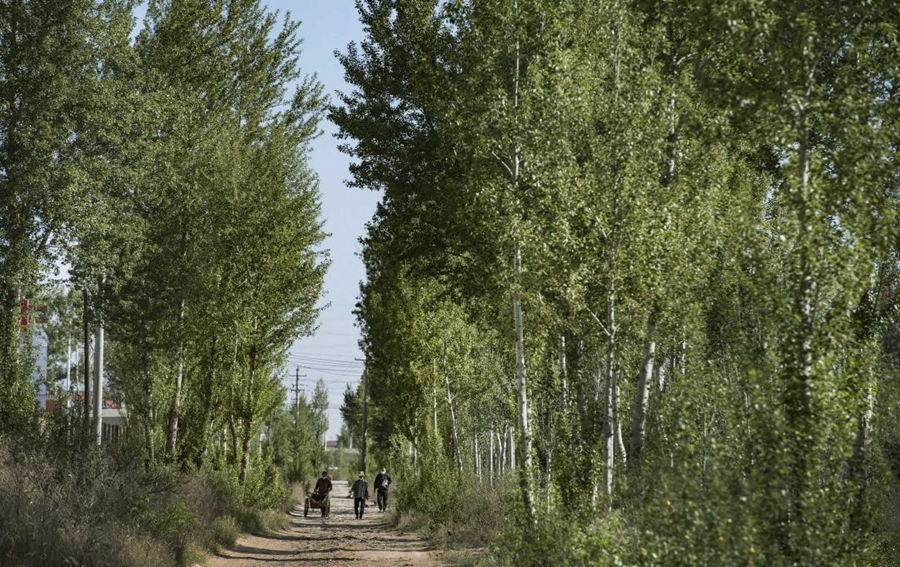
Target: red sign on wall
[(28, 317)]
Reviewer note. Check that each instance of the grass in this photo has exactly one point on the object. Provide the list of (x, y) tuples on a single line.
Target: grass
[(106, 509)]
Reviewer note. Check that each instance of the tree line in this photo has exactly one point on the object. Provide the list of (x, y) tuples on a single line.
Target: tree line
[(155, 185), (654, 247)]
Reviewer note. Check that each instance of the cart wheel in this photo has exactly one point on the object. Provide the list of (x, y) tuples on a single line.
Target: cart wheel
[(306, 507)]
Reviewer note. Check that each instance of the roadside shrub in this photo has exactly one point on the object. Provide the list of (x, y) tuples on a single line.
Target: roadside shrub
[(264, 489), (461, 510), (224, 532), (78, 512), (99, 508)]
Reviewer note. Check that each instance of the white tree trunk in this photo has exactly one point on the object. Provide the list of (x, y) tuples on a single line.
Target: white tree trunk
[(609, 422), (563, 373), (175, 412), (434, 406), (477, 455), (512, 449), (642, 399), (454, 434), (859, 462), (620, 439), (501, 453), (491, 458), (661, 373)]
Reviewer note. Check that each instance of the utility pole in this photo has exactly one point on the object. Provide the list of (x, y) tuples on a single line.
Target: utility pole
[(296, 389), (365, 415), (98, 383)]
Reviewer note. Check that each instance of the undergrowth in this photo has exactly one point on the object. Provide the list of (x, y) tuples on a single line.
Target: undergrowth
[(99, 508)]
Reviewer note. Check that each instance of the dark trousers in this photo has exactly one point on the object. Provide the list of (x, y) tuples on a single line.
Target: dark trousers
[(382, 499), (359, 505)]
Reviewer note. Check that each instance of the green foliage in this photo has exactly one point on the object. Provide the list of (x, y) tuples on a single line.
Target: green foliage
[(294, 444), (167, 171), (704, 198)]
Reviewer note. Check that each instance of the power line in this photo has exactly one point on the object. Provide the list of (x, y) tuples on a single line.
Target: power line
[(332, 359), (334, 335), (327, 366), (326, 356), (327, 363), (317, 359), (331, 372)]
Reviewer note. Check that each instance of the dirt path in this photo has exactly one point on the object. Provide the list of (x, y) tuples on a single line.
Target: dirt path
[(338, 540)]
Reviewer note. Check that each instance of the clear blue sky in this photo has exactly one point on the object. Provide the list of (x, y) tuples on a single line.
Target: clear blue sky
[(328, 25)]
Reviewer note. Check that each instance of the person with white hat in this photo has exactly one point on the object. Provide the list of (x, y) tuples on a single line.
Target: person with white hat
[(360, 493)]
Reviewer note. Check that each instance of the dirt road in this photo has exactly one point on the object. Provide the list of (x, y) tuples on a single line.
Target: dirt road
[(338, 540)]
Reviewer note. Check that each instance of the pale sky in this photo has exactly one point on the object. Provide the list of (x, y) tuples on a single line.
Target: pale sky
[(328, 25)]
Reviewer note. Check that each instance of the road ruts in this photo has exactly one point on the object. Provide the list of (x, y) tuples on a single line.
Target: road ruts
[(340, 539)]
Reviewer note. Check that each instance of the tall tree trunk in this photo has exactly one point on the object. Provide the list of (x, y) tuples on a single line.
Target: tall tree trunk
[(151, 428), (860, 473), (620, 439), (454, 434), (525, 467), (548, 478), (232, 437), (799, 391), (611, 410), (563, 373), (434, 407), (661, 372), (175, 411), (248, 418), (477, 456), (526, 482), (641, 400), (501, 448), (512, 448), (206, 416), (246, 429), (491, 458), (609, 421), (86, 331)]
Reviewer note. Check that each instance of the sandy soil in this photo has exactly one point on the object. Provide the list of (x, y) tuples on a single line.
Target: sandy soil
[(340, 539)]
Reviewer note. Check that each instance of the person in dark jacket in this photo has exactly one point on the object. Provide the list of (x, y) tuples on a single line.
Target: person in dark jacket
[(360, 493), (323, 485), (382, 482)]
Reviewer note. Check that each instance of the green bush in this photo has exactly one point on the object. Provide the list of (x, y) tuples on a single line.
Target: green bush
[(560, 539), (460, 509), (224, 532)]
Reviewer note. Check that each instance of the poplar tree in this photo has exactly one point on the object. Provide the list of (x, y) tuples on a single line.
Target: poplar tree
[(59, 64)]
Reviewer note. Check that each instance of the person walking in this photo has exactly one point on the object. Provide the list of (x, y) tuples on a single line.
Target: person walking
[(360, 493), (382, 482)]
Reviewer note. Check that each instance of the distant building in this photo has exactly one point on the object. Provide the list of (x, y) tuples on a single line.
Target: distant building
[(334, 446), (114, 416)]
